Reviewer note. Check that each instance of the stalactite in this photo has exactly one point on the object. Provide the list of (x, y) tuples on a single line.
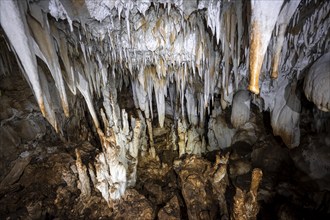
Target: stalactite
[(264, 16), (176, 58), (49, 56), (282, 22), (68, 74), (20, 40), (49, 108)]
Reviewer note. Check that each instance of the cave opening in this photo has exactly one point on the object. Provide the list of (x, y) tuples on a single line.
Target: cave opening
[(165, 109)]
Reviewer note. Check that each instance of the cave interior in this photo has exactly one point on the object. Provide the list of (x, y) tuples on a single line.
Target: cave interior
[(165, 109)]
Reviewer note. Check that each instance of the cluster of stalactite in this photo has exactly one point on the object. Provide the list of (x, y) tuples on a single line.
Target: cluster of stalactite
[(188, 59)]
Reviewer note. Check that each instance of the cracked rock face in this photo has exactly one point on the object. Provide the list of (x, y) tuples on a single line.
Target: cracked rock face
[(143, 85)]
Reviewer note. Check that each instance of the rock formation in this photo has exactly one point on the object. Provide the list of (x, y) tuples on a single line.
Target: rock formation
[(141, 91)]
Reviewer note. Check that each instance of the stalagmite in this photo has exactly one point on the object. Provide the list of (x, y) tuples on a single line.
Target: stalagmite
[(246, 204), (285, 116), (102, 176), (219, 135), (194, 143), (220, 182), (240, 112), (84, 182), (264, 16), (182, 133)]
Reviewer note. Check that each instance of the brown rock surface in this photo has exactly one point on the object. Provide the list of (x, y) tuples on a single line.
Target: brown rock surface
[(171, 211), (194, 175), (133, 205)]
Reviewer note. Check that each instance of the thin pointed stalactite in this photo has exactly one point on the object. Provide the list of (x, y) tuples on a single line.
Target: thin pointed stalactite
[(282, 23), (263, 19)]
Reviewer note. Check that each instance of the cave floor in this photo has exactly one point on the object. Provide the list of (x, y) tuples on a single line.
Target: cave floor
[(42, 184)]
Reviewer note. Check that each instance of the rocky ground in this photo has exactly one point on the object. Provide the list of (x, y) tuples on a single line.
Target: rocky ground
[(39, 178)]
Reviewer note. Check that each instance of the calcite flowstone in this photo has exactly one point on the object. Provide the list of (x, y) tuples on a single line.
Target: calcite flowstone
[(285, 116), (317, 81), (219, 133)]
